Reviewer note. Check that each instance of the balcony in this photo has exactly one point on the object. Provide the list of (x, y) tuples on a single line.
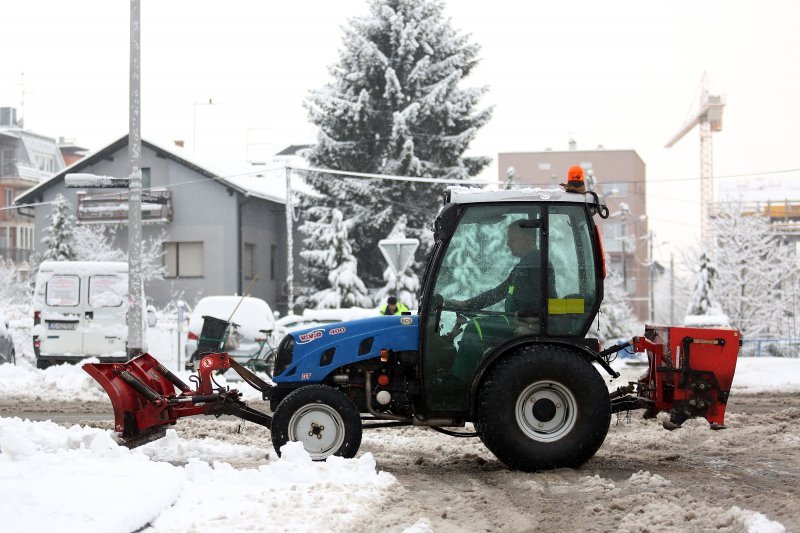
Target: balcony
[(13, 168), (94, 208)]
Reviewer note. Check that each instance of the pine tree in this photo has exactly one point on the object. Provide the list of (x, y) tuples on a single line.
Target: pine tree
[(616, 319), (345, 288), (702, 299), (394, 107), (59, 236)]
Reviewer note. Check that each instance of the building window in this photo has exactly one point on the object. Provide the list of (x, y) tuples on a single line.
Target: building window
[(45, 162), (146, 178), (248, 261), (8, 197), (183, 259), (273, 253)]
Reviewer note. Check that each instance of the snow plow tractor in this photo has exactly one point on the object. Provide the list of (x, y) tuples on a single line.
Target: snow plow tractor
[(501, 342)]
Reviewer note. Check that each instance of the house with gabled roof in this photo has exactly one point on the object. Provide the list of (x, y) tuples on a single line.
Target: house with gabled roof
[(225, 227)]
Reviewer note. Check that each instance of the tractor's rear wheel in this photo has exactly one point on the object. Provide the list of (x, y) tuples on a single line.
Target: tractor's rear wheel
[(543, 407), (322, 418)]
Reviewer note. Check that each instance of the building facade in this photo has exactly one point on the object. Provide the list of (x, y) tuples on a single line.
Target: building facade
[(618, 175), (223, 234), (26, 159)]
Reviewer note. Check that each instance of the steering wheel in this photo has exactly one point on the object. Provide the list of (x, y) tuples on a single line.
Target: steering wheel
[(440, 304)]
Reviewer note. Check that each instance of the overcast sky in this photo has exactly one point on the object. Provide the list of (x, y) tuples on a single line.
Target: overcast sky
[(624, 74)]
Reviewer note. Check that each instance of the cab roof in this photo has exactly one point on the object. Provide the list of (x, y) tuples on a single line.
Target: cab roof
[(472, 195)]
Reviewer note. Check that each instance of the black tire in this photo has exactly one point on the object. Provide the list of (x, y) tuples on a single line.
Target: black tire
[(322, 418), (42, 364), (543, 407)]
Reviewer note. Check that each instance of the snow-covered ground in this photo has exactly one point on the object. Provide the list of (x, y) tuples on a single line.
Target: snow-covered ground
[(79, 479)]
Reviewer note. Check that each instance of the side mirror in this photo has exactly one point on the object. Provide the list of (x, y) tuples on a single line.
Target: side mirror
[(151, 316)]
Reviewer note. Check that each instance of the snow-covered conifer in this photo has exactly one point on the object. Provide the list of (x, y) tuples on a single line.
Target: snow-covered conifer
[(344, 287), (702, 300), (616, 318), (59, 235), (394, 106)]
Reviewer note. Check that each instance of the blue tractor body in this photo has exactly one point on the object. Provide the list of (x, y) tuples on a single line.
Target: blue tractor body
[(321, 350)]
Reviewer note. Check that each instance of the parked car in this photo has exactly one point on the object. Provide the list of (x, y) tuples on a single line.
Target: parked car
[(251, 318), (7, 352)]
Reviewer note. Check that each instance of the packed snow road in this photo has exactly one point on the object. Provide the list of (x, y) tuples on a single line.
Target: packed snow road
[(746, 477)]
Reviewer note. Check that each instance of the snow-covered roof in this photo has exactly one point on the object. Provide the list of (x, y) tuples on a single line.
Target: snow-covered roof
[(78, 267), (266, 181), (771, 188), (468, 195), (33, 144)]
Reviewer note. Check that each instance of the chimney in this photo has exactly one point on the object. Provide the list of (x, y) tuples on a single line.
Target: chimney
[(8, 116), (178, 143), (572, 144)]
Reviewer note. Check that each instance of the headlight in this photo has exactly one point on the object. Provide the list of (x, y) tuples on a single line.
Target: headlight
[(285, 354)]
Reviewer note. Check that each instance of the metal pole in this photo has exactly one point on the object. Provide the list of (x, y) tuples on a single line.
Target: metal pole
[(652, 278), (671, 289), (135, 201), (289, 245), (624, 254)]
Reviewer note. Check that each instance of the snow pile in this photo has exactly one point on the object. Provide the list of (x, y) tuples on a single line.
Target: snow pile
[(60, 479), (649, 501), (56, 383), (79, 479)]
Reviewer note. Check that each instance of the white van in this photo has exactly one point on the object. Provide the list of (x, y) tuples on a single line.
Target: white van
[(80, 310)]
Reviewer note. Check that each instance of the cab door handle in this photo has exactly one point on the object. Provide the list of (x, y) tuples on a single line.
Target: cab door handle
[(90, 315)]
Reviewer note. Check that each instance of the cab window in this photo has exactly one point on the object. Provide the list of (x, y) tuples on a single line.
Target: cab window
[(573, 293)]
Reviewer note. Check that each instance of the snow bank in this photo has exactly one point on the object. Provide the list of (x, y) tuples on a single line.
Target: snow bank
[(753, 374), (79, 479)]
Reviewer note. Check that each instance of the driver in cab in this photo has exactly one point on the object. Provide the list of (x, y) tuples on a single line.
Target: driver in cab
[(521, 292)]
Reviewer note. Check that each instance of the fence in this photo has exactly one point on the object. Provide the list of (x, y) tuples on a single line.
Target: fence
[(770, 348)]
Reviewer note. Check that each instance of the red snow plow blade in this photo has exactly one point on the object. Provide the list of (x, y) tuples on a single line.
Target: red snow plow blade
[(690, 372), (143, 394)]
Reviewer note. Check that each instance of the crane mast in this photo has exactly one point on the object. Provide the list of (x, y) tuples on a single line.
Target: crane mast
[(708, 119)]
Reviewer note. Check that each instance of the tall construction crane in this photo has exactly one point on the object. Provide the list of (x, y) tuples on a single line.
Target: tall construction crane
[(709, 118)]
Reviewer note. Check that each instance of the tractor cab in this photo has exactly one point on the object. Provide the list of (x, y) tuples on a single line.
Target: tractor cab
[(508, 267)]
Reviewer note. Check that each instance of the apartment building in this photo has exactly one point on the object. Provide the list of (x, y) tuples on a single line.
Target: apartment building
[(26, 159)]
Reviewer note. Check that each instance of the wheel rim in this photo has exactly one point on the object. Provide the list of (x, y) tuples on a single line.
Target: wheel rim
[(319, 427), (546, 411)]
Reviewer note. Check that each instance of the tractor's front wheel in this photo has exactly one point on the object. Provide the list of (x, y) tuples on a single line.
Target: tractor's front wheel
[(543, 407), (322, 418)]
